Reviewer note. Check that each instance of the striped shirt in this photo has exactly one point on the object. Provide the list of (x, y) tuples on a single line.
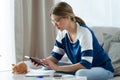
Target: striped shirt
[(85, 49)]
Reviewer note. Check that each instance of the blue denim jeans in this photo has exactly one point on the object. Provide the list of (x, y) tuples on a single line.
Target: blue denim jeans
[(95, 73)]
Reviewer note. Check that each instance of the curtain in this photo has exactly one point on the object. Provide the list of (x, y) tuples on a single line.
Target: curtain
[(34, 33)]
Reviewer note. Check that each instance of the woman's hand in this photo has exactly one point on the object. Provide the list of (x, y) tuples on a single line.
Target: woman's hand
[(36, 62), (50, 64)]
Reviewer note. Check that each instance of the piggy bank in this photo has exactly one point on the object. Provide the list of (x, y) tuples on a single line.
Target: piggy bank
[(19, 68)]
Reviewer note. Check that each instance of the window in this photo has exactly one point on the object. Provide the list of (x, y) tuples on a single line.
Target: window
[(7, 40)]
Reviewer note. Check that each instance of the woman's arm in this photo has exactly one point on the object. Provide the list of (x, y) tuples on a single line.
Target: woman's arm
[(67, 68), (70, 68), (53, 59)]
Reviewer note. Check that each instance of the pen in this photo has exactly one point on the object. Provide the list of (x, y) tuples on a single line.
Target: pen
[(55, 76), (41, 76)]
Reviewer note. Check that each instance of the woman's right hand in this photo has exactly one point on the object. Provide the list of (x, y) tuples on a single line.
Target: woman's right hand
[(36, 61)]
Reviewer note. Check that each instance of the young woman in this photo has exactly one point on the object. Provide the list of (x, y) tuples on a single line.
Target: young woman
[(78, 41)]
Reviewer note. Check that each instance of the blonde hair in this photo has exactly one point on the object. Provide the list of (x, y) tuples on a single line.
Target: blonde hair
[(64, 9)]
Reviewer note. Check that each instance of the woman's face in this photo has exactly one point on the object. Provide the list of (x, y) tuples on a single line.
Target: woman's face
[(60, 22)]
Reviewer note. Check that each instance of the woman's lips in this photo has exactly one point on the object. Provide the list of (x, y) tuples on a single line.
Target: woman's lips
[(58, 27)]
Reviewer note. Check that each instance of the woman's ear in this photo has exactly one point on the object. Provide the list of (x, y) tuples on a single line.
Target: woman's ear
[(70, 18)]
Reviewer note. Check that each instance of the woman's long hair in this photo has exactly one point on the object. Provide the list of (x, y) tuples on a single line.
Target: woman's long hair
[(64, 9)]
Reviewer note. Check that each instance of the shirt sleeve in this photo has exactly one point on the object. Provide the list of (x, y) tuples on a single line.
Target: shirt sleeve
[(87, 58), (86, 48), (58, 50)]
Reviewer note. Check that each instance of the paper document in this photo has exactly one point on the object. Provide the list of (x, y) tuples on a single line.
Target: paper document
[(40, 73)]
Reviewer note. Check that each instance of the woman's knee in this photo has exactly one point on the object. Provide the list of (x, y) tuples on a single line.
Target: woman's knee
[(94, 73), (82, 72)]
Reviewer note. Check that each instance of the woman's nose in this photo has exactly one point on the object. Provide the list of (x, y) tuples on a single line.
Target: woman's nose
[(56, 24)]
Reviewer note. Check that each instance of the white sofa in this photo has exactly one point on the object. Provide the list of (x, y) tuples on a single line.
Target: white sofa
[(109, 37)]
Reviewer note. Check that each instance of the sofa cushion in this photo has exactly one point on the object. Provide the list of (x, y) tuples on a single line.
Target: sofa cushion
[(112, 47), (108, 38), (114, 53)]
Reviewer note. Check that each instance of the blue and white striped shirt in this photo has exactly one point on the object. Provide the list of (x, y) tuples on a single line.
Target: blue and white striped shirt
[(85, 49)]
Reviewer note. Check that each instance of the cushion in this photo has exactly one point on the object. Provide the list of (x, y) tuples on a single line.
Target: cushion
[(107, 39), (112, 47), (114, 53)]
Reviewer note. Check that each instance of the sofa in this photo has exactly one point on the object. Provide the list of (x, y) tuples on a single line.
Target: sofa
[(109, 38)]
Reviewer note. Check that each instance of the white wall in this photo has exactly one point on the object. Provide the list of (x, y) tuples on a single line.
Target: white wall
[(97, 12), (116, 12)]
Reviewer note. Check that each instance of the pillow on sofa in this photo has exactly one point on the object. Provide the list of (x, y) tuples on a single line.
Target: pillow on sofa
[(107, 39), (114, 53), (112, 47)]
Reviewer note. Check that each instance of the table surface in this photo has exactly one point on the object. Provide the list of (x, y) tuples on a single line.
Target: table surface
[(8, 75)]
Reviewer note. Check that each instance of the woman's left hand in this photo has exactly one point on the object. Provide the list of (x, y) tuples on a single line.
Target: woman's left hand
[(50, 64)]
